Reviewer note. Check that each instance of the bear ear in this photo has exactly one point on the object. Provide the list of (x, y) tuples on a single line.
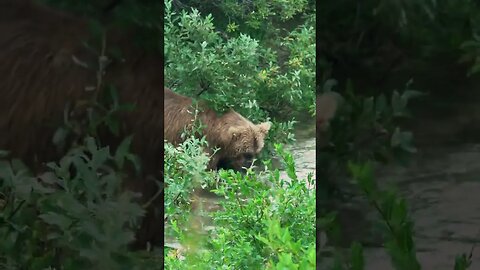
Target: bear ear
[(264, 127)]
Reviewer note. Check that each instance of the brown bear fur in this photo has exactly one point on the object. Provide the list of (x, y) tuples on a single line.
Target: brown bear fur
[(40, 52), (239, 139), (326, 107)]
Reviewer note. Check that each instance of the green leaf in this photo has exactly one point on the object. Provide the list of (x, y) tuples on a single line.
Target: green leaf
[(113, 124), (135, 161), (462, 262), (357, 259), (100, 157), (122, 151), (56, 219)]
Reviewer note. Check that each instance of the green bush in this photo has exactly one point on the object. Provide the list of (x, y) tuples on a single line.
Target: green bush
[(266, 222), (237, 71)]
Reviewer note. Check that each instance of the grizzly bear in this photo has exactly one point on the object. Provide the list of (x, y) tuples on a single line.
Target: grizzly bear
[(44, 65), (238, 139)]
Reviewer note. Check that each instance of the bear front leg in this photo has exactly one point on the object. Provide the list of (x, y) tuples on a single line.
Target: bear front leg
[(214, 160)]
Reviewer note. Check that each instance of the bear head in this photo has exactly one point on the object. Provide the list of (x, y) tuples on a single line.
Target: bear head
[(240, 141), (326, 106)]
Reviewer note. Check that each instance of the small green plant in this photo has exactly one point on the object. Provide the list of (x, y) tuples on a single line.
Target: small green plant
[(394, 216)]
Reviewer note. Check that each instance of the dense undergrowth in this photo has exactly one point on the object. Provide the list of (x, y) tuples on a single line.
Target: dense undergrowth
[(265, 221), (364, 47)]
